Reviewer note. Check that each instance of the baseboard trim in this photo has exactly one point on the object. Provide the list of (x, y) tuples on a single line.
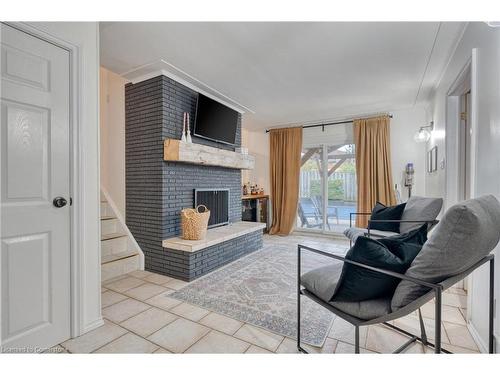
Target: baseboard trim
[(483, 348), (91, 326)]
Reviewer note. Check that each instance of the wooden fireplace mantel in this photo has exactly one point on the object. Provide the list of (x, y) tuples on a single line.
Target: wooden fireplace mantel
[(193, 153)]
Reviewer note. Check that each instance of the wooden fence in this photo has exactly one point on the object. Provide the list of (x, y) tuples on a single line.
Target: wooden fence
[(348, 183)]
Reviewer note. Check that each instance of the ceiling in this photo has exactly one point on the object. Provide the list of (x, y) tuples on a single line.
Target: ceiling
[(287, 73)]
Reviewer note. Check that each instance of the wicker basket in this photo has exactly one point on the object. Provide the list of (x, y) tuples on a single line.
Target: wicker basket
[(194, 223)]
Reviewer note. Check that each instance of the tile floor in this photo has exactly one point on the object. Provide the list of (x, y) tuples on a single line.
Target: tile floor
[(141, 318)]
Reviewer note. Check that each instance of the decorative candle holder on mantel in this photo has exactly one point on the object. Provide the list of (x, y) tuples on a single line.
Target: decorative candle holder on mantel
[(183, 136), (188, 130)]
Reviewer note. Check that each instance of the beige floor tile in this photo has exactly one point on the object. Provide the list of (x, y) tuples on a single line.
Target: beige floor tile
[(460, 336), (344, 331), (140, 274), (189, 311), (449, 313), (384, 340), (163, 301), (253, 349), (124, 284), (412, 325), (221, 323), (175, 284), (455, 300), (459, 349), (463, 311), (113, 279), (158, 279), (149, 321), (260, 337), (290, 346), (123, 310), (456, 291), (162, 351), (109, 298), (128, 343), (94, 339), (179, 335), (145, 291), (346, 348), (418, 348), (218, 342)]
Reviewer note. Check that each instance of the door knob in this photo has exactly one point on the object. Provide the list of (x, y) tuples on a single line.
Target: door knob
[(59, 202)]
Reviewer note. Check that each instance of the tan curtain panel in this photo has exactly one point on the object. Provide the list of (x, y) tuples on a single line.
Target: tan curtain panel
[(285, 154), (373, 165)]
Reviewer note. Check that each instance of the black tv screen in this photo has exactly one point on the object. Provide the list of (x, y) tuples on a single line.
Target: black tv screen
[(215, 121)]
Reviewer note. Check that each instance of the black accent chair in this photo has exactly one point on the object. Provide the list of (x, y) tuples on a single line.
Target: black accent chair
[(460, 244)]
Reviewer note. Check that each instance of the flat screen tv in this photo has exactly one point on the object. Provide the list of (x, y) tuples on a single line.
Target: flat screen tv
[(215, 121)]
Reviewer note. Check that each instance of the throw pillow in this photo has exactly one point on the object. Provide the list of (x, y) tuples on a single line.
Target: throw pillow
[(382, 212), (393, 254), (420, 208)]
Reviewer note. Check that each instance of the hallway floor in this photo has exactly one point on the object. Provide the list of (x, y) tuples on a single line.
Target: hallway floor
[(141, 318)]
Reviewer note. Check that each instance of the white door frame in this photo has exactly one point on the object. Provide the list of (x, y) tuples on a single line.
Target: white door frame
[(452, 142), (76, 172)]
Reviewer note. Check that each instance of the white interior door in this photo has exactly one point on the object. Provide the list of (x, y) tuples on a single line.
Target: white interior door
[(35, 237)]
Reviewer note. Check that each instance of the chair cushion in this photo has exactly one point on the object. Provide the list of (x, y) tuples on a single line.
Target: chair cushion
[(467, 233), (392, 254), (353, 233), (420, 208), (382, 212), (365, 310), (322, 281)]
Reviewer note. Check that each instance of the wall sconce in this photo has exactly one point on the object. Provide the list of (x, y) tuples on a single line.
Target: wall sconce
[(424, 133)]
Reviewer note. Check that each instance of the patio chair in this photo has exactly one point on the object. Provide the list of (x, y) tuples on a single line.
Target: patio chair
[(308, 210), (459, 244), (331, 211), (418, 210)]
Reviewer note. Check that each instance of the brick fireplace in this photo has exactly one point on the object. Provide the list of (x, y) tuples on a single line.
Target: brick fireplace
[(156, 190)]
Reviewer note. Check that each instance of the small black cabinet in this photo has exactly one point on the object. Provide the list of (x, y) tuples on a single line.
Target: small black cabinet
[(255, 208)]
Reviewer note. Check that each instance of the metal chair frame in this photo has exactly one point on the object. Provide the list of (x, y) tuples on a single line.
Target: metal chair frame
[(436, 288)]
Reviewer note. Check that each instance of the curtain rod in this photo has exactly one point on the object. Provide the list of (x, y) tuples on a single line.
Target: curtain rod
[(325, 124)]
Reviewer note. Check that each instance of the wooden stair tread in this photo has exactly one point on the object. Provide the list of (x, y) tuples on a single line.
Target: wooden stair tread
[(118, 256), (110, 236)]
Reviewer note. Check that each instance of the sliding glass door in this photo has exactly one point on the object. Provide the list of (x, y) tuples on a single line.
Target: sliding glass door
[(327, 193)]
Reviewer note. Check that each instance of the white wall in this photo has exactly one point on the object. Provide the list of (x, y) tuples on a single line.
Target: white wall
[(85, 36), (258, 146), (487, 121), (404, 125), (112, 128), (404, 149)]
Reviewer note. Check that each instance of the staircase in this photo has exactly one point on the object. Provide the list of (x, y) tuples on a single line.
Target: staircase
[(120, 253)]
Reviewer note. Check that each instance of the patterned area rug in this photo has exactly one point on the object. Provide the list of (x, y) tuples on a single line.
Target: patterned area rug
[(260, 289)]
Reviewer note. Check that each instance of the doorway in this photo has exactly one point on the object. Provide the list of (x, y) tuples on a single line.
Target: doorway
[(464, 141), (328, 188), (459, 144), (35, 198)]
